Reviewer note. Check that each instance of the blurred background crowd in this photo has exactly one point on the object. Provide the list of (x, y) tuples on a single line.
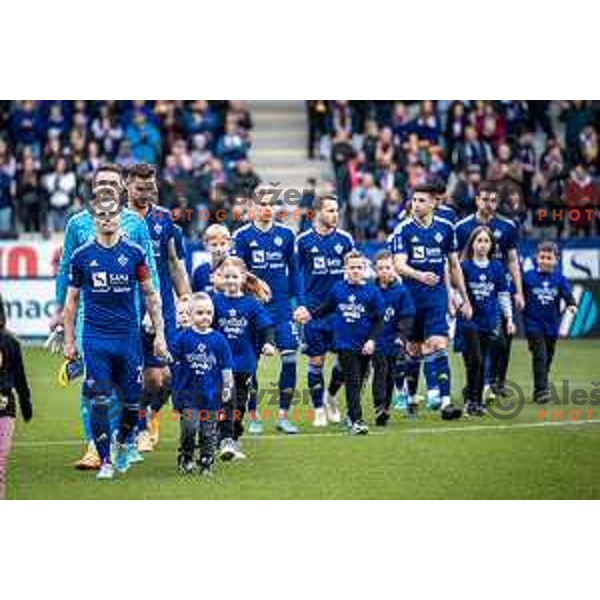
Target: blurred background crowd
[(49, 150), (544, 154)]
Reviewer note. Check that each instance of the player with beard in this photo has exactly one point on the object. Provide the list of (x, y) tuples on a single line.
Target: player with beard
[(321, 253), (168, 250)]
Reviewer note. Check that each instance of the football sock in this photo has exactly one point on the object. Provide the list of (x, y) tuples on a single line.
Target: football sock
[(128, 422), (84, 414), (430, 371), (100, 426), (442, 367), (316, 384), (287, 381)]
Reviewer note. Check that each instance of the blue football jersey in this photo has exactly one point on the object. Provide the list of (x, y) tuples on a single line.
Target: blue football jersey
[(484, 282), (108, 279), (162, 230), (355, 308), (398, 305), (543, 294), (81, 228), (321, 262), (240, 320), (202, 278), (504, 231), (271, 255), (445, 211), (202, 357), (427, 249)]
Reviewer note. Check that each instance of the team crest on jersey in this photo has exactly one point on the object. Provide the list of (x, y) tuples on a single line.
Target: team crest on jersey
[(158, 228), (438, 237), (278, 241), (232, 312), (482, 277), (201, 347), (338, 248), (497, 234), (99, 279), (122, 260), (352, 298)]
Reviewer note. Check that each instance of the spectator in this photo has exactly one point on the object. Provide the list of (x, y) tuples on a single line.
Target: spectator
[(232, 147), (341, 153), (107, 132), (366, 205), (6, 204), (318, 124), (32, 204), (244, 180), (60, 186), (144, 138)]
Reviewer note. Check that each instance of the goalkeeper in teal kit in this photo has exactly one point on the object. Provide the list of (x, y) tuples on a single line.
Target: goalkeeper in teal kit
[(108, 186)]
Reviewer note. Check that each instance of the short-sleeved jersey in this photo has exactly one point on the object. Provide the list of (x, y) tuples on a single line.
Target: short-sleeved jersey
[(108, 279), (445, 211), (202, 278), (484, 281), (356, 307), (271, 255), (398, 306), (202, 357), (321, 262), (162, 230), (427, 249), (543, 294), (504, 231), (81, 228), (240, 320)]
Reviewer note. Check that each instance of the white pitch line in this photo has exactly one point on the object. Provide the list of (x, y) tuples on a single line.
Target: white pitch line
[(419, 430)]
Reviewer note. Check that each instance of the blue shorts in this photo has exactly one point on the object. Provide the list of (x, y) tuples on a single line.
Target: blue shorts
[(318, 337), (113, 367), (286, 335), (428, 322)]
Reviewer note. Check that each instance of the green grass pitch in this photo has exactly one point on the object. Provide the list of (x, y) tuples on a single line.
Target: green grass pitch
[(526, 457)]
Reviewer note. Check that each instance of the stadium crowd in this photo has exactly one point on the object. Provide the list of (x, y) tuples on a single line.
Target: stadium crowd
[(544, 155), (49, 150)]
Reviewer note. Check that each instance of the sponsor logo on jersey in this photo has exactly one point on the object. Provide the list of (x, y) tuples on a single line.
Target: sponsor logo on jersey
[(100, 279), (258, 256)]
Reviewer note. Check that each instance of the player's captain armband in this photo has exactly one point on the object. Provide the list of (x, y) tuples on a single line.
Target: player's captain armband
[(142, 272)]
